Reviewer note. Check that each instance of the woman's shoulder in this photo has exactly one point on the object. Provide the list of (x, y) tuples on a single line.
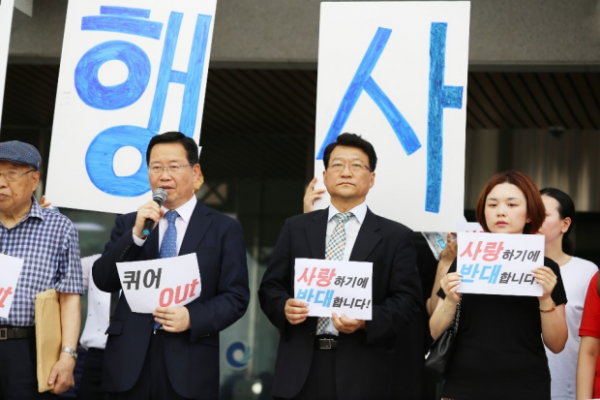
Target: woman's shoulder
[(580, 263), (548, 262)]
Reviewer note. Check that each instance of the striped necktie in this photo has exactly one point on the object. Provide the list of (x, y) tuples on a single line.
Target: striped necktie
[(335, 251), (168, 247)]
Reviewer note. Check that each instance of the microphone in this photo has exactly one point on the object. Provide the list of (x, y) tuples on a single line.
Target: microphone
[(159, 196)]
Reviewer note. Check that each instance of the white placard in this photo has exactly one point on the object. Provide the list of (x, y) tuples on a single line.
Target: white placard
[(130, 69), (472, 227), (164, 282), (493, 263), (396, 73), (9, 276), (341, 287), (6, 13)]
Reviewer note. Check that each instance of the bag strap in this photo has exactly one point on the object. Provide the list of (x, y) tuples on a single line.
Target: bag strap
[(457, 316)]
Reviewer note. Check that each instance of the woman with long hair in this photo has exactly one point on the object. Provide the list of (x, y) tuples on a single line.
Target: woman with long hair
[(499, 348), (576, 274)]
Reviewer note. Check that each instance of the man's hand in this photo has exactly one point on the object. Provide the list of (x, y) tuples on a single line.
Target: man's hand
[(61, 375), (44, 203), (149, 210), (347, 325), (296, 311), (312, 195), (173, 319)]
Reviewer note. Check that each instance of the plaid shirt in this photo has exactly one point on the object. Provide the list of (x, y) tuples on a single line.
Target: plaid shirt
[(49, 244)]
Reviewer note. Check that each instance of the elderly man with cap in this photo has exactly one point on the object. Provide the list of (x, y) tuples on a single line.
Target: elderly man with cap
[(48, 244)]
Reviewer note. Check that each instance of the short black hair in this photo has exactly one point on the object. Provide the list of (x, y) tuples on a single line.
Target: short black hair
[(566, 209), (351, 140), (191, 148)]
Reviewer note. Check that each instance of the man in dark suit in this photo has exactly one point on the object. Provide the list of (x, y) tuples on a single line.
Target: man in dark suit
[(343, 358), (174, 353)]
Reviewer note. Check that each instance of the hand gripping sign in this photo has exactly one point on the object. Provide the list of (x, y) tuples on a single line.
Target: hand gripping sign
[(127, 73), (9, 276), (341, 287), (493, 263), (164, 282)]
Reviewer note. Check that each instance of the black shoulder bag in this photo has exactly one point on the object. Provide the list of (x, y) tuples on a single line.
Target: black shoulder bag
[(439, 353)]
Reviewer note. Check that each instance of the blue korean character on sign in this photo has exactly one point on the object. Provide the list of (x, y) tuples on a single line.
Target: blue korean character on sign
[(441, 96), (135, 21)]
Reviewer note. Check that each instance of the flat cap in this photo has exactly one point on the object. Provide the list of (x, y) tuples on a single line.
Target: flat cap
[(20, 153)]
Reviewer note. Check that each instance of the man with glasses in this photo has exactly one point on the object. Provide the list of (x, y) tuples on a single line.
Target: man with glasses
[(173, 353), (48, 244), (341, 357)]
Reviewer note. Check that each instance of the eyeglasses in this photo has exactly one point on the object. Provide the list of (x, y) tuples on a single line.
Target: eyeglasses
[(355, 166), (12, 175), (173, 169)]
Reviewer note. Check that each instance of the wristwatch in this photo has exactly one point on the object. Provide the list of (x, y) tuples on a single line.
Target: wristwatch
[(70, 351)]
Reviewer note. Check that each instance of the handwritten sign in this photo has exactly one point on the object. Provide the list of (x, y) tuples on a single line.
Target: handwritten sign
[(492, 263), (127, 73), (341, 287), (396, 73), (165, 282), (9, 276), (6, 13)]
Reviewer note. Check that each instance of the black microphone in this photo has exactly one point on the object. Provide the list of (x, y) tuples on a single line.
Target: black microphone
[(159, 196)]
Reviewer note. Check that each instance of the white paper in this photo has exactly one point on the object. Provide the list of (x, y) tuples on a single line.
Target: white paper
[(402, 73), (9, 276), (6, 13), (178, 285), (341, 287), (493, 263), (472, 227), (108, 102)]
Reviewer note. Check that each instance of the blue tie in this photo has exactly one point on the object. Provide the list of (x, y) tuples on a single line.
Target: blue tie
[(168, 247)]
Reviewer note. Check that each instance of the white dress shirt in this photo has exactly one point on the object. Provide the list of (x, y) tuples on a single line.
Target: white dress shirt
[(352, 227), (181, 223), (98, 309)]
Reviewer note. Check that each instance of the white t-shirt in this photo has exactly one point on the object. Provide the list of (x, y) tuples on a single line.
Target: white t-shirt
[(576, 276)]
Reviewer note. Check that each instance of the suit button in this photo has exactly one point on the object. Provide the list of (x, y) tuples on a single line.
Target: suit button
[(312, 334)]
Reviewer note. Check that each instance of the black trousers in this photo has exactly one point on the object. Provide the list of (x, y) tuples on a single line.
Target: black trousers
[(18, 373), (91, 377), (153, 383), (320, 383)]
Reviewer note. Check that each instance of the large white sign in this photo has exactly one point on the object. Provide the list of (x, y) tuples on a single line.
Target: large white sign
[(493, 263), (341, 287), (6, 13), (130, 69), (164, 282), (9, 276), (396, 73)]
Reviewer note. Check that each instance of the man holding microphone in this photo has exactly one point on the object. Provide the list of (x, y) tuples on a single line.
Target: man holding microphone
[(173, 353)]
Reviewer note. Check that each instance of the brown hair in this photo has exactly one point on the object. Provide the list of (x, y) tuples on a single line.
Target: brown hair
[(535, 206)]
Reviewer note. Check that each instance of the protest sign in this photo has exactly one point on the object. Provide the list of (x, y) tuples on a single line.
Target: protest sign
[(9, 276), (164, 282), (127, 73), (473, 227), (6, 13), (493, 263), (341, 287), (396, 73)]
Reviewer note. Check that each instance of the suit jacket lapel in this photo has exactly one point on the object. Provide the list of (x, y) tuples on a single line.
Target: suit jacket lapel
[(151, 248), (367, 238), (316, 229), (199, 223)]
